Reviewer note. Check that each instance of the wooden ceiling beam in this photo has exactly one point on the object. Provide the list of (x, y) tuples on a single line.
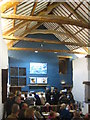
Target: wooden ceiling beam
[(24, 34), (48, 9), (8, 5), (34, 7), (32, 12), (48, 18), (14, 38), (38, 31), (17, 27), (30, 29), (10, 44), (45, 50), (75, 38), (15, 9), (73, 12), (22, 24)]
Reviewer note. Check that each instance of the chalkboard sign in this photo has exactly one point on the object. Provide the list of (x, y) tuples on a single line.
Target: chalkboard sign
[(22, 81), (22, 71), (13, 71), (14, 81)]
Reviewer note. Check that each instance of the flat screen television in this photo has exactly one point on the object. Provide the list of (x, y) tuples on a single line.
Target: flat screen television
[(41, 80), (38, 68)]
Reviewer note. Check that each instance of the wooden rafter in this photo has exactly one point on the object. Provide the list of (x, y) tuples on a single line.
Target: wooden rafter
[(32, 12), (49, 32), (76, 39), (43, 12), (48, 3), (15, 9), (34, 7), (63, 57), (73, 11), (24, 34), (48, 9), (8, 5), (45, 50), (17, 27), (22, 24), (48, 18), (30, 29), (14, 38)]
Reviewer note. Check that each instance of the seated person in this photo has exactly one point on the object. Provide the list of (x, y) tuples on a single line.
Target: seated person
[(15, 112), (38, 113), (18, 101), (47, 107), (21, 113), (53, 116), (87, 116), (29, 114), (64, 114), (76, 116), (30, 100)]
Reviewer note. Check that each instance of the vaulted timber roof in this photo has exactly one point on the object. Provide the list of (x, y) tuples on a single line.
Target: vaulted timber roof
[(67, 20)]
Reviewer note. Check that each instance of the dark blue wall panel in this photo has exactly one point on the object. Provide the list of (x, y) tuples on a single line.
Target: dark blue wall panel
[(23, 59)]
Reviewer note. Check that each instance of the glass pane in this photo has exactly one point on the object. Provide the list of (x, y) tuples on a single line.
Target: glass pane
[(14, 71), (14, 81), (22, 71), (22, 81)]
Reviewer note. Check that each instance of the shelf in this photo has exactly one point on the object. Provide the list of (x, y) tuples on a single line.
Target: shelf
[(17, 86), (86, 82), (38, 85), (67, 86)]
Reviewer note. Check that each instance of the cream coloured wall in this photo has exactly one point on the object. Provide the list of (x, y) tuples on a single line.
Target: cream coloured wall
[(3, 64), (80, 74)]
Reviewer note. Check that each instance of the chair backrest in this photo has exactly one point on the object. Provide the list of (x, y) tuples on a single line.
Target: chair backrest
[(11, 119)]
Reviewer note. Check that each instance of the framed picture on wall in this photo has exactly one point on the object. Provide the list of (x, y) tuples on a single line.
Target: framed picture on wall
[(32, 80), (38, 68), (41, 80)]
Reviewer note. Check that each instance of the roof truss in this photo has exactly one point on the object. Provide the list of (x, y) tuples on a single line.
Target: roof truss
[(48, 18)]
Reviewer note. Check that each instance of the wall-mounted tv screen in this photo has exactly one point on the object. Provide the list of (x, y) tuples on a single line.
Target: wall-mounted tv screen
[(38, 68), (41, 80)]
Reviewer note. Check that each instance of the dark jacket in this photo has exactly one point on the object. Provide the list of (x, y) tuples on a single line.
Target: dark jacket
[(65, 115)]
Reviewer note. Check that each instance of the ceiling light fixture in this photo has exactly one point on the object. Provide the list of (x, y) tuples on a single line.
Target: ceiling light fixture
[(36, 51), (41, 45), (55, 52), (62, 82)]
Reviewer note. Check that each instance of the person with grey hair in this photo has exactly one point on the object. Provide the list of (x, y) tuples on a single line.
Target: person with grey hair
[(15, 111), (30, 100), (18, 101), (64, 114), (29, 114)]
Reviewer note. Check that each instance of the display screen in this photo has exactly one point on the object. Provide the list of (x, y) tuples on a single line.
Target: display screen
[(38, 68)]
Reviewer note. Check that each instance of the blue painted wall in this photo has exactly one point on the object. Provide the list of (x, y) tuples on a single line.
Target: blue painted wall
[(23, 59)]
